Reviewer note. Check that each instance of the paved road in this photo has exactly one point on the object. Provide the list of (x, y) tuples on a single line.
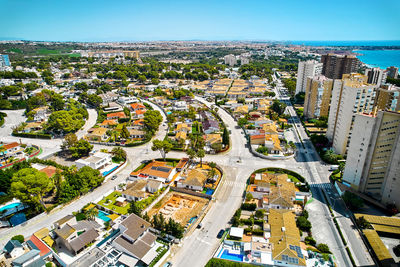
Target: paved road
[(320, 182), (238, 163)]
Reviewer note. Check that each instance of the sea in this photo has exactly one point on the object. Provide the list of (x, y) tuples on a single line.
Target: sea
[(372, 58), (379, 58)]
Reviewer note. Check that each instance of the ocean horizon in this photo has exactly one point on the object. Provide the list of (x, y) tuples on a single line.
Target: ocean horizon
[(379, 58)]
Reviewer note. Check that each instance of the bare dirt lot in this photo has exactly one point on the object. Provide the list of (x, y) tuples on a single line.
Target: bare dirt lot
[(178, 206)]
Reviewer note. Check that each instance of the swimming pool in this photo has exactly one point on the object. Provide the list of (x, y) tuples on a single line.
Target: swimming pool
[(109, 171), (103, 216), (10, 206), (232, 257), (192, 219)]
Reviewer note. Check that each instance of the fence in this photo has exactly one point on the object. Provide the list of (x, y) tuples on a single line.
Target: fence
[(190, 192)]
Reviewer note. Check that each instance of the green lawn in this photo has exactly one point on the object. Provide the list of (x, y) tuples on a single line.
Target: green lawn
[(110, 200), (44, 51)]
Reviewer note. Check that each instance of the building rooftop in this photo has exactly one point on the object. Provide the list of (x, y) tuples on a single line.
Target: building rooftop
[(135, 225)]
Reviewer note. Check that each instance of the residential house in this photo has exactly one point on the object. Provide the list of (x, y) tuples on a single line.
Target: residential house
[(116, 116), (181, 164), (210, 126), (137, 106), (73, 239), (14, 249), (157, 170), (180, 106), (182, 127), (97, 134), (285, 239), (10, 150), (33, 126), (108, 97), (136, 134), (109, 123), (112, 107), (30, 258), (137, 190), (273, 191), (194, 179), (241, 110), (136, 240), (124, 101), (41, 113), (96, 161)]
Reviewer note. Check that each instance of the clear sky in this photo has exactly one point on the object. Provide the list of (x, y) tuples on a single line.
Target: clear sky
[(131, 20)]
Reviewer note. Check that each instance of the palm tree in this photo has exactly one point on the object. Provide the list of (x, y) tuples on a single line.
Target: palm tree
[(201, 154), (191, 154), (91, 213)]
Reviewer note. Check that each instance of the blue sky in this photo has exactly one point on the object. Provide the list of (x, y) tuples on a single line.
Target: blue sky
[(131, 20)]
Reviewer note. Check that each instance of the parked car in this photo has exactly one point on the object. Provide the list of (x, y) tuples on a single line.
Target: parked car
[(220, 233), (114, 177), (167, 264), (334, 167), (199, 226)]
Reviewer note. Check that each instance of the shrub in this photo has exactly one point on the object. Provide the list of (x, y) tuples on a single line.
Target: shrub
[(303, 224), (310, 241), (249, 206), (323, 248), (19, 238)]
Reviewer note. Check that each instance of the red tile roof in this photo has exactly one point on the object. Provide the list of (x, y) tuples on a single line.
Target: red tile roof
[(40, 245), (136, 106), (11, 145), (116, 114)]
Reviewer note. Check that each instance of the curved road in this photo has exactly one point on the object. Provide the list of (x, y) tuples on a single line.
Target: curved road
[(238, 163)]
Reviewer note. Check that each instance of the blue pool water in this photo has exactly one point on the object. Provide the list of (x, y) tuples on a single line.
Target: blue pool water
[(10, 206), (102, 215), (232, 257), (209, 192), (192, 219), (107, 172)]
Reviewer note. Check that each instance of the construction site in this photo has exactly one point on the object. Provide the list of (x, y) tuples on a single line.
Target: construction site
[(182, 208)]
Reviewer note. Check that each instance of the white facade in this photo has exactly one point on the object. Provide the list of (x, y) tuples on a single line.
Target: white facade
[(376, 76), (306, 69), (349, 97), (362, 131), (230, 60), (96, 161)]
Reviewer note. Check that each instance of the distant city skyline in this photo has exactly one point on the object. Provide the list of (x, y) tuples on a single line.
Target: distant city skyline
[(86, 21)]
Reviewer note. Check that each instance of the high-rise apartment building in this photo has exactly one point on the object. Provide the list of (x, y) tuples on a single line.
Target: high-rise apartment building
[(306, 69), (388, 98), (334, 66), (373, 160), (230, 60), (318, 96), (4, 61), (376, 76), (350, 95), (392, 72)]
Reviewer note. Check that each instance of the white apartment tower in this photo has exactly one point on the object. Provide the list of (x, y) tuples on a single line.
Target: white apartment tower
[(306, 69), (373, 159), (350, 95), (376, 76), (230, 60)]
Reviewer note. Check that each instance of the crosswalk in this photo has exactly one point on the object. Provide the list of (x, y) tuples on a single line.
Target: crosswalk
[(319, 185), (233, 183)]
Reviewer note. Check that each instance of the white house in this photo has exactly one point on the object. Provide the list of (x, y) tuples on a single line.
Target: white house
[(96, 161)]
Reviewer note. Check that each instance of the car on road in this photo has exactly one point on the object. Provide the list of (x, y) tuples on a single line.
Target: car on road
[(334, 167), (114, 177), (167, 264), (220, 233), (199, 226)]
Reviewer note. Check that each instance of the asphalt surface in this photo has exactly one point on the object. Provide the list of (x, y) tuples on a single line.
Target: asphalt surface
[(238, 163)]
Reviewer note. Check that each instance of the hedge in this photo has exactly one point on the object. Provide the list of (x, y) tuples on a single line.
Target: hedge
[(32, 135), (249, 206), (214, 262)]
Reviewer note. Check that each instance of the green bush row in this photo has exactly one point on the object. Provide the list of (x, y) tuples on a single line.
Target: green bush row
[(32, 135)]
